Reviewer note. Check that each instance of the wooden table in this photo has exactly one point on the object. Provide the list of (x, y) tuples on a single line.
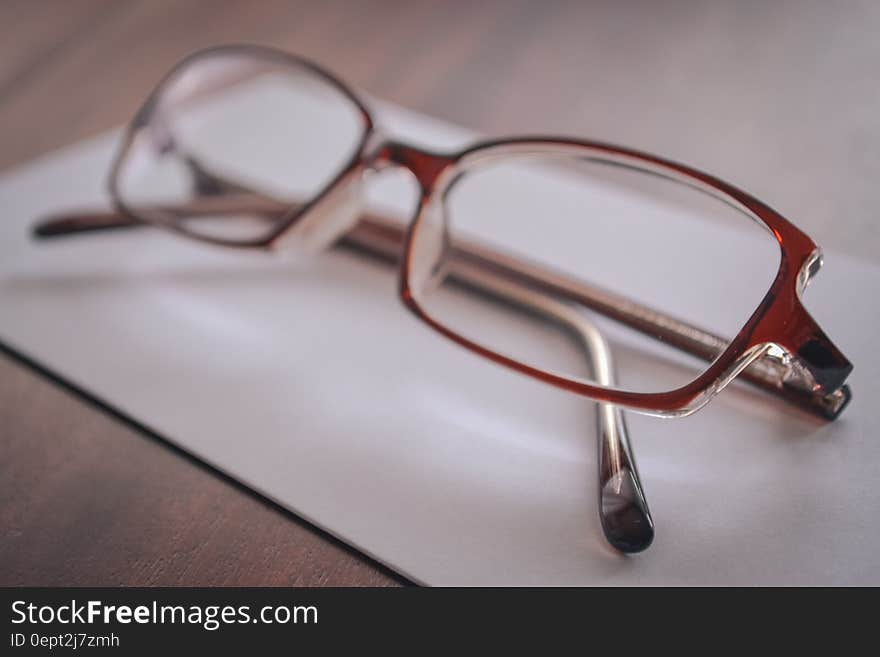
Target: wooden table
[(88, 499)]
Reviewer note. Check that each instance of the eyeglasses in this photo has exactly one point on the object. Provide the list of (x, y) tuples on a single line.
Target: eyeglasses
[(526, 251)]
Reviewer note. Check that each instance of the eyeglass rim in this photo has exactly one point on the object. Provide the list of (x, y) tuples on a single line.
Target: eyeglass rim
[(779, 319), (141, 117)]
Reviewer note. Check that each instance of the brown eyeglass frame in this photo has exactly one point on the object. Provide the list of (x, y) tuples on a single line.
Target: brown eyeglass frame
[(780, 348)]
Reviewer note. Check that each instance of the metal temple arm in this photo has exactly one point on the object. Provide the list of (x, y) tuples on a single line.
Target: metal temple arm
[(623, 509)]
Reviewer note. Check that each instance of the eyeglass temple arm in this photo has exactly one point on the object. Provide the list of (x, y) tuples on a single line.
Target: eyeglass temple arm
[(623, 509), (784, 377)]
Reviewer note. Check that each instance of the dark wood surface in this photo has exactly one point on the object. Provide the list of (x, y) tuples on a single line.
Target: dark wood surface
[(778, 97)]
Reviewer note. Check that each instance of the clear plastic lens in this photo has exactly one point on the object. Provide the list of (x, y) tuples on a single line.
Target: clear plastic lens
[(233, 143), (543, 225)]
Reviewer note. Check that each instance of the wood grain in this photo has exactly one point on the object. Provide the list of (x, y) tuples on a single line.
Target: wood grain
[(780, 98)]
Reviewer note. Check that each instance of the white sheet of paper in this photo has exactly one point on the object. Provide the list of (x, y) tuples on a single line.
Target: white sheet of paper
[(312, 385)]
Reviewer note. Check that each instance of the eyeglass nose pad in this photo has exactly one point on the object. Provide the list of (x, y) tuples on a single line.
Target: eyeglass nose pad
[(331, 216)]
